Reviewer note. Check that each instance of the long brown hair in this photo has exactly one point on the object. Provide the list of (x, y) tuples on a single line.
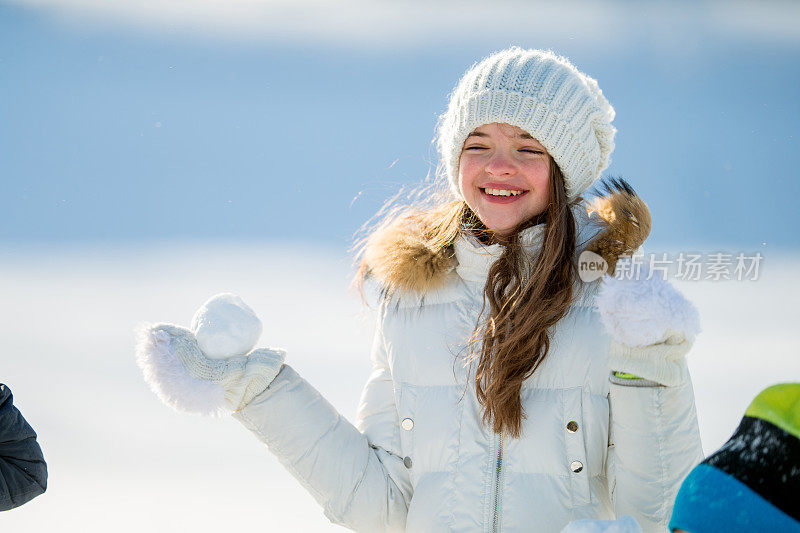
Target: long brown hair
[(526, 296), (411, 248)]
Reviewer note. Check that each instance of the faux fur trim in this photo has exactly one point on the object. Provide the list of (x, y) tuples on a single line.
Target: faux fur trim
[(399, 258), (168, 378), (626, 218), (640, 312)]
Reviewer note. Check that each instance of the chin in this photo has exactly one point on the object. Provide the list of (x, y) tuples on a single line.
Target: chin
[(501, 229)]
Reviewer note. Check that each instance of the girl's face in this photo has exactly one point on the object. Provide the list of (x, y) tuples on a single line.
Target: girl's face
[(504, 175)]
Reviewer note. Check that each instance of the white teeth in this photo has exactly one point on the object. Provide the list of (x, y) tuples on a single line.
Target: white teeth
[(502, 192)]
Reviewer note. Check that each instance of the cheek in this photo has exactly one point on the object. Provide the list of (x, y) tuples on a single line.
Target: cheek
[(538, 174), (467, 174)]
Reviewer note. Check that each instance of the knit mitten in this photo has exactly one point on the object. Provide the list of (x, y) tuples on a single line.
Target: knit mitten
[(216, 381), (652, 327)]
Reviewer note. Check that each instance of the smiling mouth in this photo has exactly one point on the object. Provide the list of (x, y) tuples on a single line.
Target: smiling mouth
[(502, 193)]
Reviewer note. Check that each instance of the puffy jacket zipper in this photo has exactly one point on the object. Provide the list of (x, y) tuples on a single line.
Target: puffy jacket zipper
[(497, 484)]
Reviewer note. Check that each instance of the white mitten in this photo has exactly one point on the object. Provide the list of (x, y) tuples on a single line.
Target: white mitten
[(652, 327), (212, 368)]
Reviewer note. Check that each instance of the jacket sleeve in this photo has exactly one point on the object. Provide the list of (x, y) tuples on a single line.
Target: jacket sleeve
[(654, 437), (23, 472), (355, 472), (654, 443)]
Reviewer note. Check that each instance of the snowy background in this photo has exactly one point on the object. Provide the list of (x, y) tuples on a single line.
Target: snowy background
[(155, 153)]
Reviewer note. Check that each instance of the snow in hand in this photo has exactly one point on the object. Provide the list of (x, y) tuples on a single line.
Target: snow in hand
[(225, 326)]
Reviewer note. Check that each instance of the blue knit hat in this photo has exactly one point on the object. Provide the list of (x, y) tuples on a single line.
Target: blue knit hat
[(752, 483)]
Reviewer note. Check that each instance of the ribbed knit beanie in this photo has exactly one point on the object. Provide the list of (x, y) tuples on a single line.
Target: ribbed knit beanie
[(541, 93), (752, 483)]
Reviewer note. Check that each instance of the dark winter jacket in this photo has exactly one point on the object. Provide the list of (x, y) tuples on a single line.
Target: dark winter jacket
[(23, 472)]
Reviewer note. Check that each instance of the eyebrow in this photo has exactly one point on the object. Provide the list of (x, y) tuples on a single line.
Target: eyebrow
[(519, 135)]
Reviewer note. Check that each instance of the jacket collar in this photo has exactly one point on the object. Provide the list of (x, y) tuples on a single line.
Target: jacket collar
[(475, 258)]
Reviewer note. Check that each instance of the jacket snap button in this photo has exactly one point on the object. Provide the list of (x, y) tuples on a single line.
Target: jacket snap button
[(407, 462), (576, 466), (407, 424), (572, 426)]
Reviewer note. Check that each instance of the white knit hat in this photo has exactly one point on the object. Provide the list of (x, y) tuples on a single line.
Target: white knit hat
[(545, 95)]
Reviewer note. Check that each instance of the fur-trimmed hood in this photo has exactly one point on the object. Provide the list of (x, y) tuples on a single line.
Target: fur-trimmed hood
[(613, 224)]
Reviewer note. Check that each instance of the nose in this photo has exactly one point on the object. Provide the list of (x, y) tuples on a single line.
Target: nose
[(500, 164)]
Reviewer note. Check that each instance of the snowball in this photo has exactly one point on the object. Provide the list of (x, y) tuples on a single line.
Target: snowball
[(225, 326)]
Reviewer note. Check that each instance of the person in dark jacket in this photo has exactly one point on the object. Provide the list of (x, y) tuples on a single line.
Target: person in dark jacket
[(23, 472)]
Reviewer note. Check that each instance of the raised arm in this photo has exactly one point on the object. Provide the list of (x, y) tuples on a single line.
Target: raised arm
[(655, 439), (357, 477)]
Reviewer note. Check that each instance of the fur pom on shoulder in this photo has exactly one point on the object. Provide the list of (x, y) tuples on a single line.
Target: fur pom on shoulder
[(158, 358), (626, 220)]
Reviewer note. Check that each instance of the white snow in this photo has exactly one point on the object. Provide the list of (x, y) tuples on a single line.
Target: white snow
[(225, 326), (122, 461)]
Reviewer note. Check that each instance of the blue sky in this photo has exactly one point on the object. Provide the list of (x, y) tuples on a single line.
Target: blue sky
[(264, 121)]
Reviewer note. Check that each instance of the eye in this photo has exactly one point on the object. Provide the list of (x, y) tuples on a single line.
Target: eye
[(474, 148), (531, 151)]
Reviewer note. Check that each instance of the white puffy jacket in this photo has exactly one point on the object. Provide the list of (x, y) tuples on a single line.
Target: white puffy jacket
[(419, 459)]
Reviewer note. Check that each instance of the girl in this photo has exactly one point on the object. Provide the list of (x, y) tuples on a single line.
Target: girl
[(500, 398)]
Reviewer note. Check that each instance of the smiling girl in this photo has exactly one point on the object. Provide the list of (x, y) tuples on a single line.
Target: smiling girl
[(508, 392)]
